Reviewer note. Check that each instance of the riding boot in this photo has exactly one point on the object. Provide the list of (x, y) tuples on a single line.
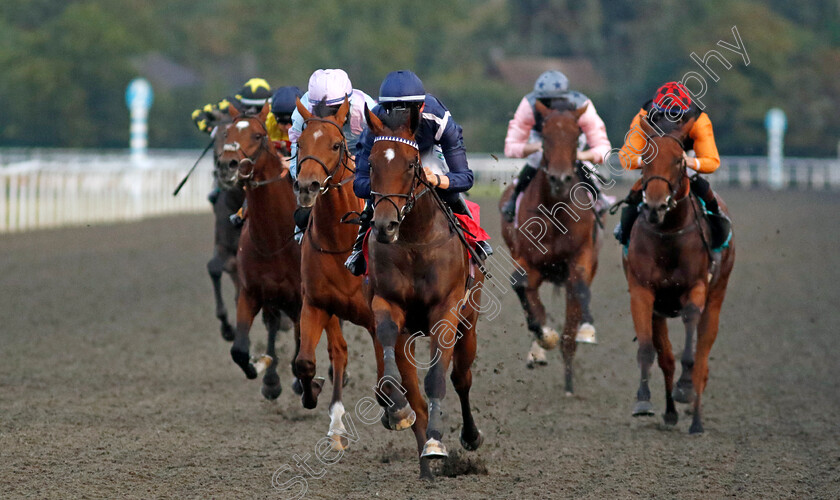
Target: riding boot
[(238, 218), (355, 263), (460, 207), (719, 223), (587, 176), (301, 217), (526, 175), (628, 216)]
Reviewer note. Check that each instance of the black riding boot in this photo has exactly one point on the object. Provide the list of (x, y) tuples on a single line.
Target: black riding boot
[(460, 207), (355, 263), (587, 176), (526, 175), (629, 214), (301, 217), (719, 223)]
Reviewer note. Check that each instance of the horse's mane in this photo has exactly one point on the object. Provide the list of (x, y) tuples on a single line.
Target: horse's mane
[(321, 110), (396, 119)]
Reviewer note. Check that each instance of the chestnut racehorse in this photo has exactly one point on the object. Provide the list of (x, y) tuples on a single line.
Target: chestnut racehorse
[(268, 258), (565, 249), (330, 292), (419, 274), (671, 272)]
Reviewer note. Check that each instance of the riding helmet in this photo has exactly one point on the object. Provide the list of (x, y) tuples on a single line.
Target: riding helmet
[(551, 84), (283, 103), (402, 86), (672, 97), (255, 92), (330, 86)]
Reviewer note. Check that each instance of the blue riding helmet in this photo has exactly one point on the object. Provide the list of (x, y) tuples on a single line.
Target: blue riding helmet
[(283, 102), (551, 84), (402, 86)]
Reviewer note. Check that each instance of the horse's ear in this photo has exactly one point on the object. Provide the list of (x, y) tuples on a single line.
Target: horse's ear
[(646, 127), (373, 121), (541, 108), (264, 112), (580, 111), (341, 114), (302, 109), (233, 112), (686, 127), (414, 120)]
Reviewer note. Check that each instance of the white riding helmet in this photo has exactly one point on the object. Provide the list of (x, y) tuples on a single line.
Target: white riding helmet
[(329, 85)]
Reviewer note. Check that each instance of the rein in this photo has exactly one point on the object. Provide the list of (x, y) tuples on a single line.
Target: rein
[(344, 156)]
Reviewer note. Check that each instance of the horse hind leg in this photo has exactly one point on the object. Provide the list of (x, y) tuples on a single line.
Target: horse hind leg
[(408, 371), (462, 360), (526, 287), (271, 387), (215, 267), (665, 356)]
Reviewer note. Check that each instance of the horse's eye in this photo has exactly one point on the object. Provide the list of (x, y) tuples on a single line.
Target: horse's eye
[(336, 146)]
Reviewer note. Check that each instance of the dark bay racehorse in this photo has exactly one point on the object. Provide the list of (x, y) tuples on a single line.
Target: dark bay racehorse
[(565, 252), (225, 235), (330, 292), (671, 272), (418, 283), (268, 258)]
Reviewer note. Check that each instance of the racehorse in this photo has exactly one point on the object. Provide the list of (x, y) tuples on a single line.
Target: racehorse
[(555, 200), (330, 292), (671, 271), (419, 275), (268, 258), (226, 235)]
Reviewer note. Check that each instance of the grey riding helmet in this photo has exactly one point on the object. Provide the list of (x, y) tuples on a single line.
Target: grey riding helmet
[(550, 85)]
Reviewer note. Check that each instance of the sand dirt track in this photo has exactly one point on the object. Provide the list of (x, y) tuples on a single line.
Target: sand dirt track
[(114, 381)]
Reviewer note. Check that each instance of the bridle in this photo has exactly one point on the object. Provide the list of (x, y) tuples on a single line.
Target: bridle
[(412, 196), (670, 201), (253, 158), (544, 160), (343, 159)]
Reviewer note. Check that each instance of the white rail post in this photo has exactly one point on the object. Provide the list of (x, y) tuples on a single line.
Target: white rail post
[(776, 122)]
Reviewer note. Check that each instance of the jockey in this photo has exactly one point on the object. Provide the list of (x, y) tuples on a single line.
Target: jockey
[(524, 135), (279, 121), (673, 100), (442, 153), (328, 87)]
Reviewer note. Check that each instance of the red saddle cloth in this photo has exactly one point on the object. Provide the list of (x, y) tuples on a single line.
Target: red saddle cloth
[(473, 231)]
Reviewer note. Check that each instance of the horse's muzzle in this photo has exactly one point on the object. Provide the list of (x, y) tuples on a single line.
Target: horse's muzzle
[(306, 192), (559, 183), (386, 231)]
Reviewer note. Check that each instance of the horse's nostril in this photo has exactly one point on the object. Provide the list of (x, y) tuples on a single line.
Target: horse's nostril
[(567, 178), (233, 163), (392, 226), (315, 186)]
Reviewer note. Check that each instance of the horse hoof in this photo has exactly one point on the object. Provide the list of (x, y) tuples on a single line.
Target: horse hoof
[(227, 332), (643, 409), (297, 388), (671, 419), (338, 441), (401, 419), (696, 428), (549, 338), (244, 361), (586, 334), (271, 392), (683, 393), (536, 356), (434, 449), (310, 401), (472, 446)]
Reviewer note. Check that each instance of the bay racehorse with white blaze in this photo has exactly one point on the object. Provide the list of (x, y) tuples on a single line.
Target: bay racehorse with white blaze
[(565, 250), (330, 292), (268, 258), (419, 273), (672, 271)]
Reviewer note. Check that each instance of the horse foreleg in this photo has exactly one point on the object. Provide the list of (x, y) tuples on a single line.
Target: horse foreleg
[(570, 328), (665, 356), (706, 335), (247, 308), (415, 398), (582, 272), (215, 267), (527, 290), (641, 307), (684, 391), (312, 323), (271, 388), (337, 347), (390, 320)]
